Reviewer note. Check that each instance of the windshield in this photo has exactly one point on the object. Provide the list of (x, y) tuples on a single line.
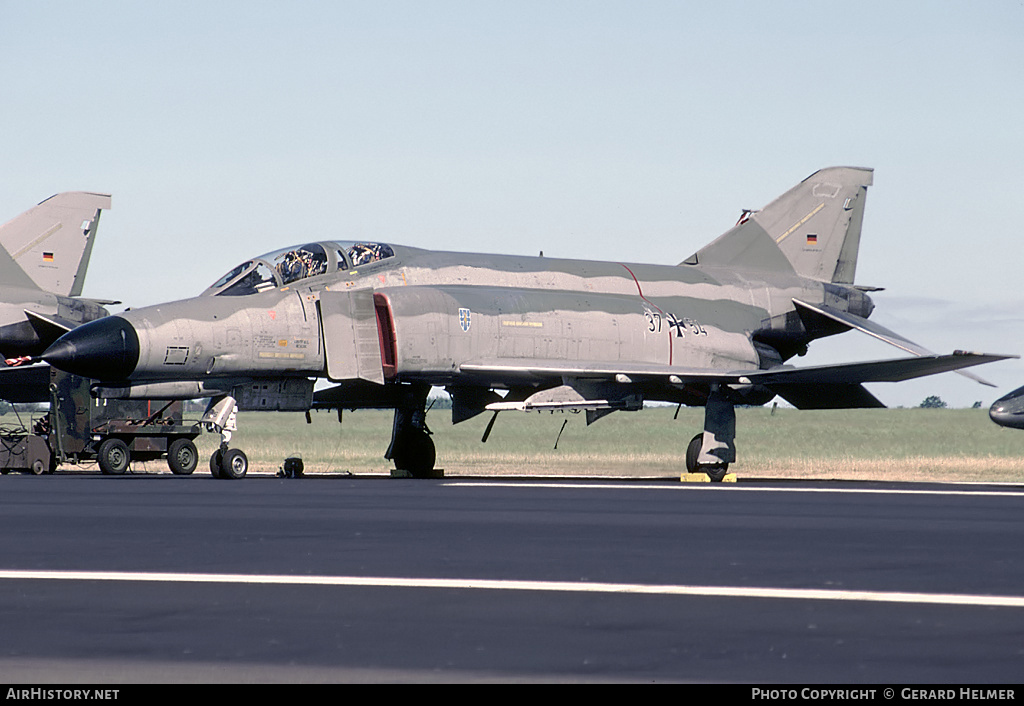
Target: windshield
[(256, 277), (287, 265)]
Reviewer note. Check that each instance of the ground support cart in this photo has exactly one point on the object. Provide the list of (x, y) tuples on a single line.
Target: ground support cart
[(78, 429)]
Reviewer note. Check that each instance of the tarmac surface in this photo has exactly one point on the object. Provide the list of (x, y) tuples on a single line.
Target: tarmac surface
[(158, 578)]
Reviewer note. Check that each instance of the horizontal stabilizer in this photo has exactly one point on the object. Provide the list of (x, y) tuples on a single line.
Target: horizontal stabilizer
[(48, 328), (878, 331), (865, 326)]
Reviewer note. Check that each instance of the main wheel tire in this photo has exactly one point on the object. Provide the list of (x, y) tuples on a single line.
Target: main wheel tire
[(693, 452), (234, 465), (114, 457), (716, 473), (415, 453), (39, 467), (182, 457)]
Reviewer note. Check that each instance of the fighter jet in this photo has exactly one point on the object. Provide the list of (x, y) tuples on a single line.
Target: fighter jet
[(385, 323), (1008, 410), (44, 256)]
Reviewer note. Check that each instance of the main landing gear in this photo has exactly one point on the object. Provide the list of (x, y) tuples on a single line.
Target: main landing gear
[(221, 416), (411, 447), (714, 449)]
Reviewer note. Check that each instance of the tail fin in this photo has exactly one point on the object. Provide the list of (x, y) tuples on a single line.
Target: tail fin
[(51, 243), (816, 226)]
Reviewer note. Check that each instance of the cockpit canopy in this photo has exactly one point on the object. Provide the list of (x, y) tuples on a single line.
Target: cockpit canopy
[(283, 267)]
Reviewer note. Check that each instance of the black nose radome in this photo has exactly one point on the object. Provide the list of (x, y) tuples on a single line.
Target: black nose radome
[(1008, 410), (106, 349)]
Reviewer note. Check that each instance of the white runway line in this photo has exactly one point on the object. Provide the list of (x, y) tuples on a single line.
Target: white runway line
[(730, 488), (556, 586)]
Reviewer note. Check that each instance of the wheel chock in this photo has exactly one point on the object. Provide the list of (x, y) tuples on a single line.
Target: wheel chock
[(435, 473), (705, 478)]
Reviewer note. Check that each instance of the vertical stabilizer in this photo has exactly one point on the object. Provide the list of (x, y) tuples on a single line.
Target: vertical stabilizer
[(51, 243), (816, 226)]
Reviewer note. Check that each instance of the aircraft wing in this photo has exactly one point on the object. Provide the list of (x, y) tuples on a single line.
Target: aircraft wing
[(537, 369), (894, 370), (837, 386)]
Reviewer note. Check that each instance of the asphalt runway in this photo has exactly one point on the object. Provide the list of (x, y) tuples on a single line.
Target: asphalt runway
[(158, 578)]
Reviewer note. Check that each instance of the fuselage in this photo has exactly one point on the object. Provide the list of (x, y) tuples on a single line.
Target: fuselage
[(424, 314)]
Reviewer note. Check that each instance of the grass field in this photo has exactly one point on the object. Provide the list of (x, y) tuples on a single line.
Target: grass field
[(896, 444)]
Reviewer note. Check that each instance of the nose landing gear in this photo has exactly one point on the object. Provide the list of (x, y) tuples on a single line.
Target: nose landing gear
[(221, 416), (228, 464)]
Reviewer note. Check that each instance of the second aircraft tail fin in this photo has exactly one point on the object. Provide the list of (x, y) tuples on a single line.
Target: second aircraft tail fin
[(51, 242)]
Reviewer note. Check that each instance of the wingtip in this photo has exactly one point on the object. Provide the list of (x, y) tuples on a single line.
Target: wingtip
[(996, 356), (991, 358)]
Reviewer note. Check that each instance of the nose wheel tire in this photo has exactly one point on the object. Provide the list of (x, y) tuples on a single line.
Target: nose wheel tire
[(215, 461), (230, 464)]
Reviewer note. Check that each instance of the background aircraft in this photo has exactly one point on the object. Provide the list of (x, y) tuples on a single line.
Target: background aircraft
[(1008, 410), (387, 322), (44, 254), (44, 257)]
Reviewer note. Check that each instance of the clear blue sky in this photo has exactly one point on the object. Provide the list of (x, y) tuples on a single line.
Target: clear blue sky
[(607, 130)]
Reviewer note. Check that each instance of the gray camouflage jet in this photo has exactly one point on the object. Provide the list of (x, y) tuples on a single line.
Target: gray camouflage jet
[(1008, 410), (385, 323), (44, 254)]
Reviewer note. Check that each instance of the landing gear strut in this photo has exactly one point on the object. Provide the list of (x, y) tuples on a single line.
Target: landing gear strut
[(411, 447), (220, 416), (714, 449)]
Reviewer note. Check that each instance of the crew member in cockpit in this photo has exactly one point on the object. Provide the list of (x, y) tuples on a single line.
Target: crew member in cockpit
[(299, 264), (363, 253), (291, 267)]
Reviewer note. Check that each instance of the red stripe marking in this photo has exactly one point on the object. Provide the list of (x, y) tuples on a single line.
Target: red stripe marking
[(641, 292)]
